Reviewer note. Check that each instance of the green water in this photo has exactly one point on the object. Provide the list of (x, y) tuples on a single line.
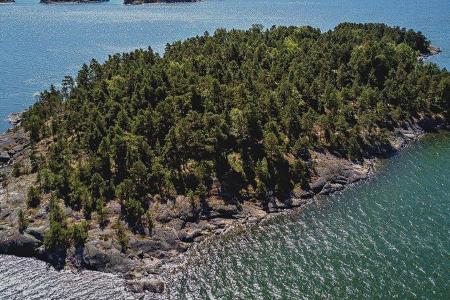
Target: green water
[(387, 238)]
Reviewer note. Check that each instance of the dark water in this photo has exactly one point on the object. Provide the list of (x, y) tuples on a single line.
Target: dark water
[(388, 238)]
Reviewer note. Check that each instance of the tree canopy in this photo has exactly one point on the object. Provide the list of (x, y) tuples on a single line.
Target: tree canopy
[(242, 108)]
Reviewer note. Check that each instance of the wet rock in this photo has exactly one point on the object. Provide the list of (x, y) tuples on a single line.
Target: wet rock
[(330, 188), (295, 202)]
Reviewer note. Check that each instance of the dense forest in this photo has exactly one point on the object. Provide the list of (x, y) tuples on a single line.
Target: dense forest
[(237, 109)]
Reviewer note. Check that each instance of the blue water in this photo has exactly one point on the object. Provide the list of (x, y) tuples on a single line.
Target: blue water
[(387, 238), (39, 44)]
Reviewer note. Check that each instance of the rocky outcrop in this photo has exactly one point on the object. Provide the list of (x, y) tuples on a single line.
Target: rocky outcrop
[(12, 143), (71, 1), (15, 119), (432, 50), (153, 285), (20, 244), (333, 173), (4, 157), (102, 256)]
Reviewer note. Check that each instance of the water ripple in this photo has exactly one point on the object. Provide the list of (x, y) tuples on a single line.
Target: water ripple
[(387, 238)]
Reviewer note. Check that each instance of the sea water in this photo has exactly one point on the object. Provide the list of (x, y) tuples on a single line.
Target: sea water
[(385, 238)]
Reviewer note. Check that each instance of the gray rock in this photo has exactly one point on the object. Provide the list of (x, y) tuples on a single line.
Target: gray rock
[(226, 211), (139, 286), (330, 188), (148, 246), (317, 185), (181, 208), (153, 285), (295, 202), (15, 243), (93, 258), (302, 194), (189, 235), (135, 286), (341, 179), (36, 232), (96, 257), (166, 234), (4, 157), (5, 212)]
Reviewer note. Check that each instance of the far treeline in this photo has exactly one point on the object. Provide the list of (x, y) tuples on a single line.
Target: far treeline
[(237, 109)]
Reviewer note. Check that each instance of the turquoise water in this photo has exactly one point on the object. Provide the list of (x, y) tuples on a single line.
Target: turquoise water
[(386, 238)]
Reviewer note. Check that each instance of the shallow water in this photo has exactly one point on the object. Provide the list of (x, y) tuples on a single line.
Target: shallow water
[(385, 238)]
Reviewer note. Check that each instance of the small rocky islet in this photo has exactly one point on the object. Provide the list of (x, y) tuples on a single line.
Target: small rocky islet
[(132, 184), (71, 1), (126, 2), (137, 2)]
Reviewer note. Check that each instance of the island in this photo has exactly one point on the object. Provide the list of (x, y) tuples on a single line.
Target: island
[(126, 166), (7, 1), (136, 2), (71, 1)]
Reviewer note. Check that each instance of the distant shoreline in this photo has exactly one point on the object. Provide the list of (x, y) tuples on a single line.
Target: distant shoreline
[(72, 1), (125, 2), (139, 2)]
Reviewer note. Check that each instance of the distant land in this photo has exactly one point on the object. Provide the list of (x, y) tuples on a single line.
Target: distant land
[(127, 2), (6, 1), (135, 2), (72, 1)]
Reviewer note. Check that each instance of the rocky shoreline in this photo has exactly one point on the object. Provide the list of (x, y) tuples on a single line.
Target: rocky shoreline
[(178, 223), (433, 50)]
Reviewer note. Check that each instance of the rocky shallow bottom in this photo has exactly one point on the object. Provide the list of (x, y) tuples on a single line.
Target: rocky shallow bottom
[(177, 225)]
